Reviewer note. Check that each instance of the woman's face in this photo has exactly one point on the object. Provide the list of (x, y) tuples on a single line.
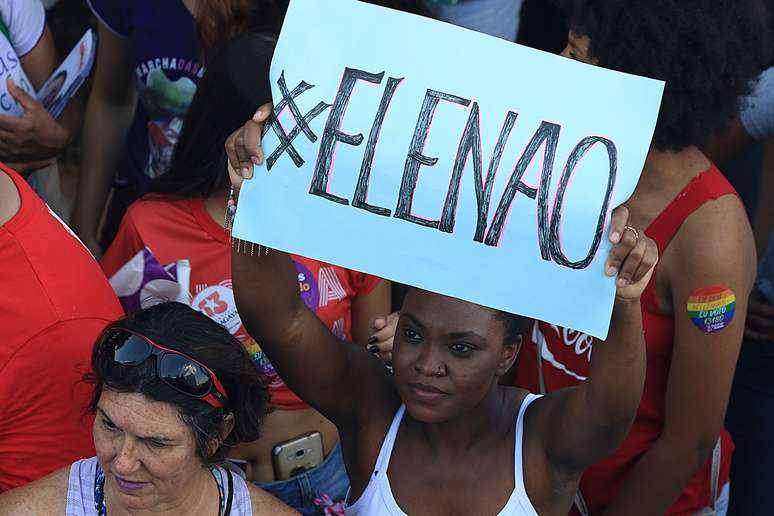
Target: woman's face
[(578, 48), (147, 452), (448, 355)]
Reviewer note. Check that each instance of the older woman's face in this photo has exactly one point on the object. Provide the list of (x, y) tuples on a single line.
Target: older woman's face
[(147, 452)]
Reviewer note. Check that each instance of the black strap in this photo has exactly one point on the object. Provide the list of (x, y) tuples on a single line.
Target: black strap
[(230, 492)]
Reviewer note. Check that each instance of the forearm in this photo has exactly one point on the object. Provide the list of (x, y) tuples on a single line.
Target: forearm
[(617, 369), (659, 477), (104, 134), (595, 416), (266, 292), (308, 357)]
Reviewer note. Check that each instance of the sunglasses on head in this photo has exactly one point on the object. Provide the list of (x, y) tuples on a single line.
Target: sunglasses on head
[(176, 369)]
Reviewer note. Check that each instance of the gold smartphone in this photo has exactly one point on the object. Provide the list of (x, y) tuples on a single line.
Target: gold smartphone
[(297, 455)]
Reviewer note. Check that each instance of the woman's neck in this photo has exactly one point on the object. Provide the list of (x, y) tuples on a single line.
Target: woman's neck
[(198, 496)]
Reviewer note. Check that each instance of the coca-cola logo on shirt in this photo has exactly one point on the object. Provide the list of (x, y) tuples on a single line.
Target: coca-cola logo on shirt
[(580, 343)]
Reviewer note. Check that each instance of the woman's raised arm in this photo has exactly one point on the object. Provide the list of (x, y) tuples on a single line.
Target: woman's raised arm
[(342, 381), (584, 424)]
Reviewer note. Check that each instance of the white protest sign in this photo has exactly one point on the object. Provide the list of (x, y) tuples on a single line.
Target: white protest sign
[(449, 160)]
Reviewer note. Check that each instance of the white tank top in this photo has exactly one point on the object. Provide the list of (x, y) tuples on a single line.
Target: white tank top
[(80, 490), (377, 499)]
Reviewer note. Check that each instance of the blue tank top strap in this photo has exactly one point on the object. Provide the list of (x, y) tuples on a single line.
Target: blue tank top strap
[(99, 491)]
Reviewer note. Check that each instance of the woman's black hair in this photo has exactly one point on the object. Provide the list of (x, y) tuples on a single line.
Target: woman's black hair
[(234, 85), (515, 326), (181, 328), (708, 52), (542, 25)]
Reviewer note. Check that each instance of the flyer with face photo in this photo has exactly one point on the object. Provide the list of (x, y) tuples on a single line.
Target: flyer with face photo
[(71, 74)]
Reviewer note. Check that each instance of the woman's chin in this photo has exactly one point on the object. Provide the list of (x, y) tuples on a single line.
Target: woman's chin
[(420, 410), (131, 499), (426, 415)]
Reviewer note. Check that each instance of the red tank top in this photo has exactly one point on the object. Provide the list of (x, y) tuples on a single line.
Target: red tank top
[(565, 361)]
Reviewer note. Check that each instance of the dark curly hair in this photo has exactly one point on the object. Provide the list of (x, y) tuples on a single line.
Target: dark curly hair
[(181, 328), (709, 53)]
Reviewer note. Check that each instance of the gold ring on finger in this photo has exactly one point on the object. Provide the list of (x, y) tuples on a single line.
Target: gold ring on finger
[(634, 231)]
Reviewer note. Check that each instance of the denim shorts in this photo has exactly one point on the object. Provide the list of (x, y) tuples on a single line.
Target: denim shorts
[(312, 492)]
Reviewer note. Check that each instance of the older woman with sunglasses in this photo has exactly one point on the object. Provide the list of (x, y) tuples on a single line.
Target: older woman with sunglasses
[(173, 391)]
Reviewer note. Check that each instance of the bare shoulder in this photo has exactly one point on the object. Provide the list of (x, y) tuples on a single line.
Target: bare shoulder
[(718, 237), (514, 396), (264, 504), (10, 202), (45, 496), (543, 411)]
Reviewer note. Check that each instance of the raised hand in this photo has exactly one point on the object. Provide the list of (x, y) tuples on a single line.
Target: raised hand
[(243, 147), (632, 258), (381, 340), (32, 138)]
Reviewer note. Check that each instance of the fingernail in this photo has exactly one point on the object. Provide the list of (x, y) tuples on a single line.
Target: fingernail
[(612, 271), (373, 339), (615, 237), (255, 160), (622, 282), (244, 172), (373, 348)]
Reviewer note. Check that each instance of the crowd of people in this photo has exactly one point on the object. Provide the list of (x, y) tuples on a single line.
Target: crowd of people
[(151, 367)]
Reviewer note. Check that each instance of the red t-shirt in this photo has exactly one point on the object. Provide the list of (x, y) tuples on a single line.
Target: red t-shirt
[(55, 303), (173, 250), (566, 355)]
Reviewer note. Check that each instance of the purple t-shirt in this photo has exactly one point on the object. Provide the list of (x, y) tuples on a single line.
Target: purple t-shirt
[(166, 57)]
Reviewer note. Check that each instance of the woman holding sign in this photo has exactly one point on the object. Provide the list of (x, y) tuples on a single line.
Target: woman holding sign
[(443, 422), (677, 455)]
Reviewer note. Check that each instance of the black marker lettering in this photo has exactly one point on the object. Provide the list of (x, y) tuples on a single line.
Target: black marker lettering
[(361, 190), (548, 133), (333, 134), (471, 144), (416, 159), (576, 155)]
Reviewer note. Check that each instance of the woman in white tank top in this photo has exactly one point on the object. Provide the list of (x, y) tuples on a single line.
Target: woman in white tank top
[(378, 498), (440, 436)]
